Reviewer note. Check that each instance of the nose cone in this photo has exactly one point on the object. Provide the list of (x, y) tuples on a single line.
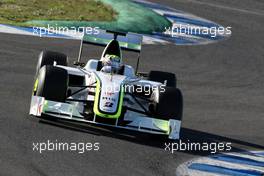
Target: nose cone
[(109, 95)]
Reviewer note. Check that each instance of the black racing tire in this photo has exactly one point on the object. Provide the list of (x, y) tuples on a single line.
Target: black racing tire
[(170, 104), (159, 76), (52, 83), (48, 58)]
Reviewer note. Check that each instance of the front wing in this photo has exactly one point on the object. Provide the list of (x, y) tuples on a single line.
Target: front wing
[(137, 121)]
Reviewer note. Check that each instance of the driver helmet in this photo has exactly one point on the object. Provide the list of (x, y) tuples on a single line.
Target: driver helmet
[(111, 63)]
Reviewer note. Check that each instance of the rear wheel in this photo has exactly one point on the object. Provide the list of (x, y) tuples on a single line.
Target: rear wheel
[(163, 77), (52, 83), (169, 104)]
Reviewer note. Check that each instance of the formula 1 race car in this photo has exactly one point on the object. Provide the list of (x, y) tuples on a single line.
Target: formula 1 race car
[(128, 99)]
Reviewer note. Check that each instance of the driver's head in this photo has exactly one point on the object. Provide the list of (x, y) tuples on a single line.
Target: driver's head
[(111, 63)]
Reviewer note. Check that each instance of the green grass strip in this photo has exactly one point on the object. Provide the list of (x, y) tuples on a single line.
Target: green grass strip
[(18, 12)]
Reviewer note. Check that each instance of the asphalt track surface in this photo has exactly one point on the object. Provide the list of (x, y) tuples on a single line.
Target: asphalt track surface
[(222, 85)]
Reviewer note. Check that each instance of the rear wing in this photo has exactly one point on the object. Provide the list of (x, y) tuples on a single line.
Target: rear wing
[(127, 41)]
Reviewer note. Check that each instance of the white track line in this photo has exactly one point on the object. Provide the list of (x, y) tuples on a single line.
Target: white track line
[(227, 8)]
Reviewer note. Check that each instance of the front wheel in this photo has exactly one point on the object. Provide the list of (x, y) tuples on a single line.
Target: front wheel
[(168, 103), (49, 57), (163, 77), (52, 83)]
